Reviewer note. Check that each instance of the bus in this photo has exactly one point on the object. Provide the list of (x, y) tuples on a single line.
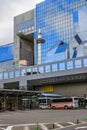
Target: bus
[(43, 103), (64, 103), (46, 99)]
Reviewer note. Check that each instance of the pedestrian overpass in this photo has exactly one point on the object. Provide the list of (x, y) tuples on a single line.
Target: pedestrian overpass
[(70, 70)]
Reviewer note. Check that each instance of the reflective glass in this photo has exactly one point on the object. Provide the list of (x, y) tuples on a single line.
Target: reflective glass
[(59, 21), (23, 72), (47, 68), (41, 69), (17, 73), (5, 75), (28, 71), (34, 70), (78, 64), (85, 62), (11, 74), (61, 66), (54, 67), (70, 65)]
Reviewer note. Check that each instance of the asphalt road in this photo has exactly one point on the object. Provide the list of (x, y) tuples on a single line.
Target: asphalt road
[(42, 116)]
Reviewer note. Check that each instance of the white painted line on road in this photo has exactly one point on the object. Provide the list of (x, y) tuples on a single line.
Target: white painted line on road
[(23, 124), (26, 128), (9, 128), (59, 125), (71, 123), (2, 128), (82, 121), (43, 127), (83, 127), (4, 125)]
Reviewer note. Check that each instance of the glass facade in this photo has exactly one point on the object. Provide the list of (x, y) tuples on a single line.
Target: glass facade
[(6, 57), (62, 23), (6, 52)]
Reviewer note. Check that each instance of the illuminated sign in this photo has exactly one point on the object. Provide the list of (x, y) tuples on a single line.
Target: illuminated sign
[(48, 88)]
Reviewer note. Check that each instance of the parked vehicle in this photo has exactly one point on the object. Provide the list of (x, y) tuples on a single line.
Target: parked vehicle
[(64, 103)]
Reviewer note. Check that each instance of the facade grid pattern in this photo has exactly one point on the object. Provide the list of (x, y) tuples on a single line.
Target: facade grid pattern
[(58, 20)]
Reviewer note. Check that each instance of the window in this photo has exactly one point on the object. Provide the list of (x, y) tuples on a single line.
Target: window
[(5, 75), (85, 62), (54, 67), (11, 74), (47, 68), (78, 64), (23, 72), (17, 73), (41, 69), (70, 65), (61, 66)]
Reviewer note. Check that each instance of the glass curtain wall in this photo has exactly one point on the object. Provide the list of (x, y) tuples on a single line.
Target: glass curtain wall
[(60, 21)]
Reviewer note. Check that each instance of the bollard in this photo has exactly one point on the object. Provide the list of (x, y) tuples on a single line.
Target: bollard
[(86, 117), (53, 126), (37, 126), (77, 121)]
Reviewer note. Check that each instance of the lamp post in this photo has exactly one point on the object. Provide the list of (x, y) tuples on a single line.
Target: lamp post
[(40, 41)]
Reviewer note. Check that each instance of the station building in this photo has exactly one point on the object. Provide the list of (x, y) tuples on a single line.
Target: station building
[(58, 65)]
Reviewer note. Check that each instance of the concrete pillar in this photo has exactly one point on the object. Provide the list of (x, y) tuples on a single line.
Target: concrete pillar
[(1, 85), (23, 83)]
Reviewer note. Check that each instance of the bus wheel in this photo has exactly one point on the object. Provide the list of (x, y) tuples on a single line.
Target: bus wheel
[(65, 107), (54, 107)]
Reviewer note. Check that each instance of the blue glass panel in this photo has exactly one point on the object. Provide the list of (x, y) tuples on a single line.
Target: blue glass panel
[(7, 52), (54, 67), (5, 75), (78, 64), (75, 16), (61, 66), (85, 62), (70, 1), (70, 65), (61, 48), (26, 24), (47, 68), (58, 20), (11, 74), (17, 73)]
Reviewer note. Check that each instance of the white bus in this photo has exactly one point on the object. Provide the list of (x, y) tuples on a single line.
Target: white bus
[(64, 103), (46, 98), (43, 103)]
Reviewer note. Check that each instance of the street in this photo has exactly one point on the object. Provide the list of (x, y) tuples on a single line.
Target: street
[(51, 119)]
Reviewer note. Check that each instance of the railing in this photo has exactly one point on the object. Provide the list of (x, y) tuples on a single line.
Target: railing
[(46, 68)]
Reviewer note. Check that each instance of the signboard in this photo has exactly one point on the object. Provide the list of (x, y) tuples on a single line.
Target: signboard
[(48, 88)]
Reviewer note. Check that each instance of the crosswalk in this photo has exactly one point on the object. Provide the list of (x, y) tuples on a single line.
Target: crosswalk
[(26, 128), (40, 126)]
